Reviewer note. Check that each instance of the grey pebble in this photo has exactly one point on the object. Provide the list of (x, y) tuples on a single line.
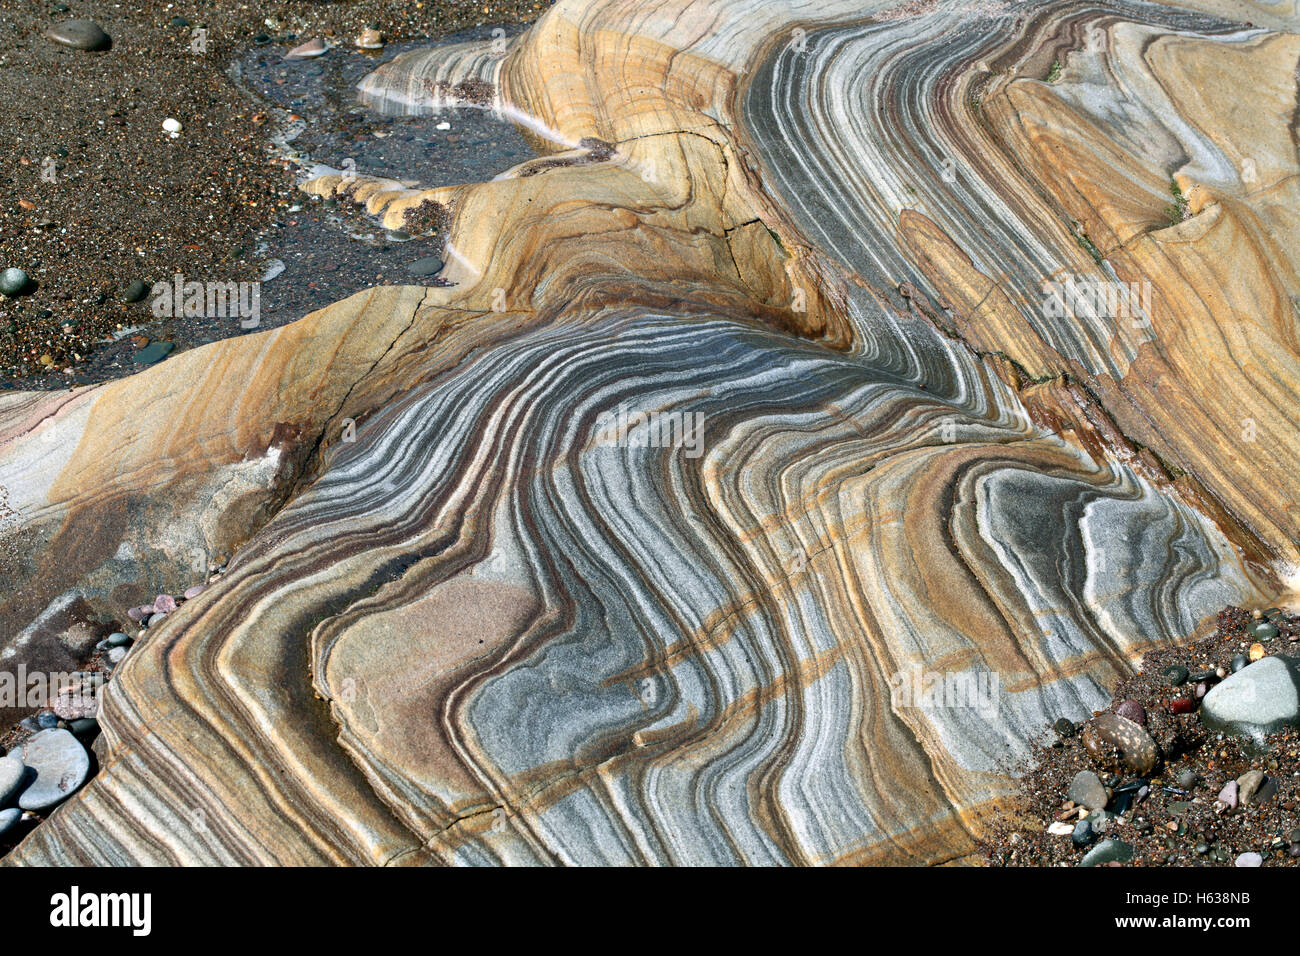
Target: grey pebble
[(61, 766), (1086, 790), (429, 265), (11, 777), (79, 35), (1257, 700), (8, 819), (1108, 851), (13, 281)]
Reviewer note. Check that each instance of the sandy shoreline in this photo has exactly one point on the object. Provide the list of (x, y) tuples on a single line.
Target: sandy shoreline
[(98, 195)]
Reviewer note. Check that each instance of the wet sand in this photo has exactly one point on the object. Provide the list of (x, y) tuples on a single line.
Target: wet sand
[(97, 195)]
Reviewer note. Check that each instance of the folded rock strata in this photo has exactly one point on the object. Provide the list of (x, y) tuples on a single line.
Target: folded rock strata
[(462, 625)]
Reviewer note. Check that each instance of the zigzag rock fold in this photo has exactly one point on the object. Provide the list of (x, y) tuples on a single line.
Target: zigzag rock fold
[(752, 406)]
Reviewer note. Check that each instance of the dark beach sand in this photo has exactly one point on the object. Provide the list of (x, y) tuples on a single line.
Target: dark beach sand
[(128, 202), (1175, 825)]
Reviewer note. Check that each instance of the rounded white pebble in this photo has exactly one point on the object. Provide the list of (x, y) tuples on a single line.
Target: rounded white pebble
[(172, 126)]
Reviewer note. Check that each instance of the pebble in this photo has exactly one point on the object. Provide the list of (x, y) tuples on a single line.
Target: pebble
[(136, 291), (1132, 710), (1228, 795), (164, 604), (1257, 652), (397, 235), (306, 51), (117, 639), (1239, 661), (61, 766), (1188, 779), (8, 818), (1176, 675), (153, 353), (430, 265), (79, 35), (1261, 698), (1249, 859), (1086, 789), (1060, 829), (1108, 851), (1064, 726), (46, 719), (77, 701), (84, 728), (11, 777), (370, 40), (1183, 705), (1109, 737), (13, 281), (172, 127), (116, 654), (156, 619), (1248, 785), (194, 591), (1263, 631), (1082, 833), (137, 614)]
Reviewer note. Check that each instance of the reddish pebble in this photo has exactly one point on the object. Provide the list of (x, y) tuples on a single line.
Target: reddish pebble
[(164, 604), (1133, 711), (193, 592), (136, 614), (1183, 705)]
